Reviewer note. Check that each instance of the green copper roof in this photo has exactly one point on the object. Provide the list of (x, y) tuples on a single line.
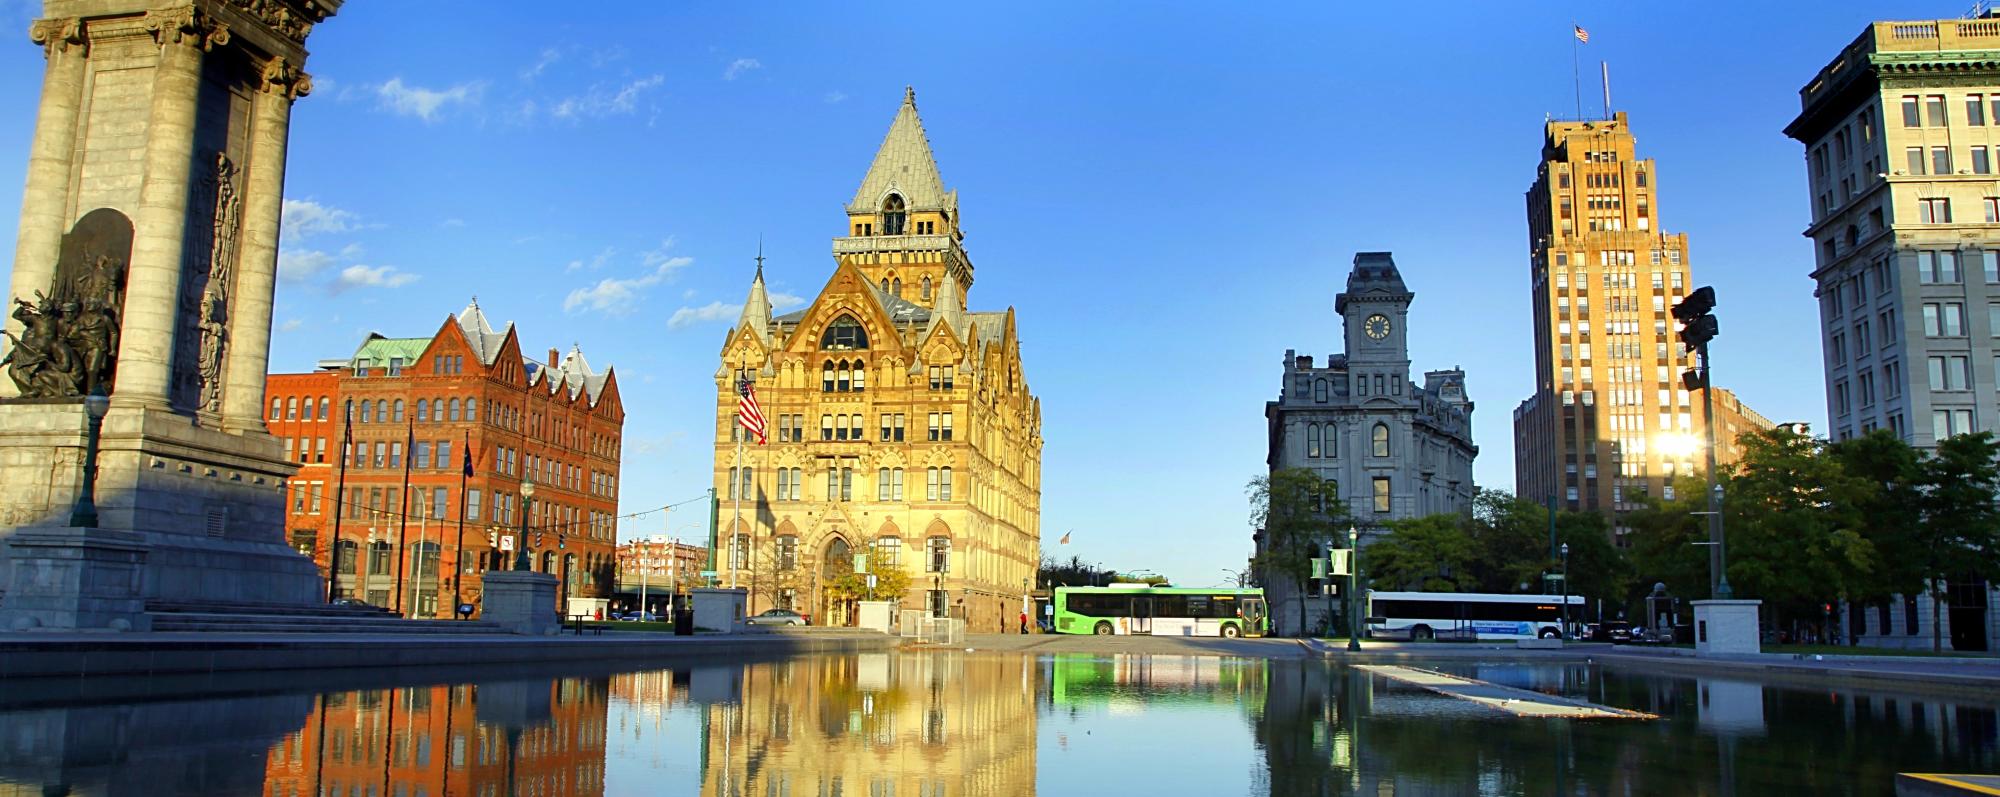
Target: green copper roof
[(379, 351)]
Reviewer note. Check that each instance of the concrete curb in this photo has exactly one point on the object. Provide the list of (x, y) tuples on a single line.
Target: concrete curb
[(161, 654)]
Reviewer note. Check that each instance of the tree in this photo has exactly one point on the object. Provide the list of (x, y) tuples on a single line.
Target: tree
[(892, 579), (1889, 512), (1073, 573), (1295, 512), (771, 576), (1663, 540), (1428, 554), (1793, 524), (1961, 526), (1511, 535)]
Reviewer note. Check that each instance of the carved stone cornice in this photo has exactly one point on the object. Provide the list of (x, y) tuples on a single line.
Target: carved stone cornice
[(186, 25), (56, 35), (281, 77), (291, 19)]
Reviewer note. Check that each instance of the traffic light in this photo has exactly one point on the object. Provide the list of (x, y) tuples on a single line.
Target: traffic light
[(492, 539), (1693, 380), (1697, 326)]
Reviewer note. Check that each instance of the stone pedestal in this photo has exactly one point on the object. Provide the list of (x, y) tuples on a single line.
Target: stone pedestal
[(876, 615), (75, 579), (1726, 628), (520, 602), (717, 609)]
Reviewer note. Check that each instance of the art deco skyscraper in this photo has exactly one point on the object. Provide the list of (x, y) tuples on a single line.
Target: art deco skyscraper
[(1609, 418)]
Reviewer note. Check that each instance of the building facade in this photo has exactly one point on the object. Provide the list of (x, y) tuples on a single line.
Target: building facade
[(1610, 419), (1901, 131), (900, 420), (1395, 448), (661, 565), (382, 440)]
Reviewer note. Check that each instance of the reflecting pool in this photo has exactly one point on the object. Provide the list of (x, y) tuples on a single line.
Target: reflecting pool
[(950, 724)]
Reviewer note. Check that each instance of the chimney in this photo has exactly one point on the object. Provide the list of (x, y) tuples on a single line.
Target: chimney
[(552, 359)]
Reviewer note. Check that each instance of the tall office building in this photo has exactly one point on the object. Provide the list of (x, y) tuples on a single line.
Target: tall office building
[(1609, 419), (1901, 131)]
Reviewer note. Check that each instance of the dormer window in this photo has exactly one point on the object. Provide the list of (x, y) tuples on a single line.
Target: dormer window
[(844, 334), (927, 288), (893, 214)]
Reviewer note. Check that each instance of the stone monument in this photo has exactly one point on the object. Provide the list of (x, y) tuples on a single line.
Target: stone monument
[(144, 272)]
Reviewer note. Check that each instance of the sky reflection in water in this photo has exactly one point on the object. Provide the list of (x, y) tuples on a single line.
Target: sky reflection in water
[(951, 724)]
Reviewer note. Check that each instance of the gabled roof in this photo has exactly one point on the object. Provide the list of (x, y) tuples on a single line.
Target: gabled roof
[(899, 309), (479, 334), (904, 165), (377, 351)]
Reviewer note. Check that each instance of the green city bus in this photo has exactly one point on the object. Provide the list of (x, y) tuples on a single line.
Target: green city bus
[(1160, 611)]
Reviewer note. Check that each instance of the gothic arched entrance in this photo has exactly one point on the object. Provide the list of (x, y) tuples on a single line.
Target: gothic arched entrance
[(836, 563)]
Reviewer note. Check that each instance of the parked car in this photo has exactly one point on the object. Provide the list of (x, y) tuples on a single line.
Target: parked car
[(640, 617), (1616, 632), (778, 617), (356, 603)]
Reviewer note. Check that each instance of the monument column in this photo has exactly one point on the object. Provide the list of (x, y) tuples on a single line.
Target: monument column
[(153, 287), (248, 354), (45, 203)]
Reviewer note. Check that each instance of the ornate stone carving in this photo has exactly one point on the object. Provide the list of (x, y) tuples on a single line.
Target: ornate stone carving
[(69, 339), (281, 77), (56, 35), (188, 26), (214, 320), (293, 21)]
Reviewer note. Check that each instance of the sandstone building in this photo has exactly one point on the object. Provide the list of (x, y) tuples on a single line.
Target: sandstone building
[(1610, 419), (1901, 131), (900, 420), (417, 406)]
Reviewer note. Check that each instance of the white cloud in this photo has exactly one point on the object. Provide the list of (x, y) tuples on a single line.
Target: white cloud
[(621, 296), (423, 103), (291, 325), (718, 311), (359, 276), (305, 217), (832, 97), (300, 265), (601, 102), (594, 263), (740, 66), (549, 56)]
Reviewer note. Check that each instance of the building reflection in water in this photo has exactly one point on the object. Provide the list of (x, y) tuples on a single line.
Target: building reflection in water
[(875, 724)]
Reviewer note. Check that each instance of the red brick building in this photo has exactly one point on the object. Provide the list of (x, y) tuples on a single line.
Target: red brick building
[(410, 528)]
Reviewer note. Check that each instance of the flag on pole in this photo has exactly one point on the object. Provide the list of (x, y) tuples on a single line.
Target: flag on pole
[(1065, 538), (1581, 34), (468, 455), (748, 415)]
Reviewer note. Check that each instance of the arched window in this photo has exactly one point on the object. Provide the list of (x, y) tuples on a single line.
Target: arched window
[(843, 378), (885, 284), (347, 412), (292, 408), (324, 404), (927, 288), (1319, 390), (452, 410), (1380, 439), (423, 410), (860, 375), (896, 287), (826, 377), (1312, 440), (277, 406), (472, 409), (398, 416), (893, 215), (381, 410), (788, 553), (844, 334)]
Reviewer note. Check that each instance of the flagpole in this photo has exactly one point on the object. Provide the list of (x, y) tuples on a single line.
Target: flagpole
[(1604, 71), (417, 579), (736, 512), (458, 548), (403, 521), (339, 494), (1575, 68)]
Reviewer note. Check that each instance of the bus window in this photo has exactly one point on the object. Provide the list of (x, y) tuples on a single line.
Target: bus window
[(1198, 606)]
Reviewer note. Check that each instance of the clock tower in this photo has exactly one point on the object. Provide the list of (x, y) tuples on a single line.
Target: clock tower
[(1375, 310)]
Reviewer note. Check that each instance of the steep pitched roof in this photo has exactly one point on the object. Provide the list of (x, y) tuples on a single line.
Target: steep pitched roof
[(904, 164), (484, 341)]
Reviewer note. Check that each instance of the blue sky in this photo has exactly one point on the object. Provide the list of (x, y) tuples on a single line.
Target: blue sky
[(1170, 195)]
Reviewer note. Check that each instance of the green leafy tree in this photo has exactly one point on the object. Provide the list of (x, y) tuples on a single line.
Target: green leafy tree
[(1663, 537), (1511, 535), (1427, 554), (891, 579), (1295, 512), (1794, 528), (1961, 525), (1890, 511), (1073, 573)]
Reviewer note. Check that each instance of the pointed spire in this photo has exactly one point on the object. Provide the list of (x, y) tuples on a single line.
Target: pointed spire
[(944, 309), (757, 309), (903, 165)]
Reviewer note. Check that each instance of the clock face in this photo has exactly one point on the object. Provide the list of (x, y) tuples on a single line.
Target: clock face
[(1376, 326)]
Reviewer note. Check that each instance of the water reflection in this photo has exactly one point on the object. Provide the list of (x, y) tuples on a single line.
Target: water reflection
[(948, 724)]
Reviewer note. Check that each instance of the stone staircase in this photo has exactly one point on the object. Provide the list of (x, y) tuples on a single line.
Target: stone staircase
[(316, 619)]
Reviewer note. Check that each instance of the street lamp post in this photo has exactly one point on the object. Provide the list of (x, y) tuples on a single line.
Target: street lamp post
[(84, 513), (521, 562), (1354, 622), (1564, 632)]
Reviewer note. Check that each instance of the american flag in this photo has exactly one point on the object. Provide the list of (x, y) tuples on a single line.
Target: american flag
[(1581, 34), (748, 415)]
